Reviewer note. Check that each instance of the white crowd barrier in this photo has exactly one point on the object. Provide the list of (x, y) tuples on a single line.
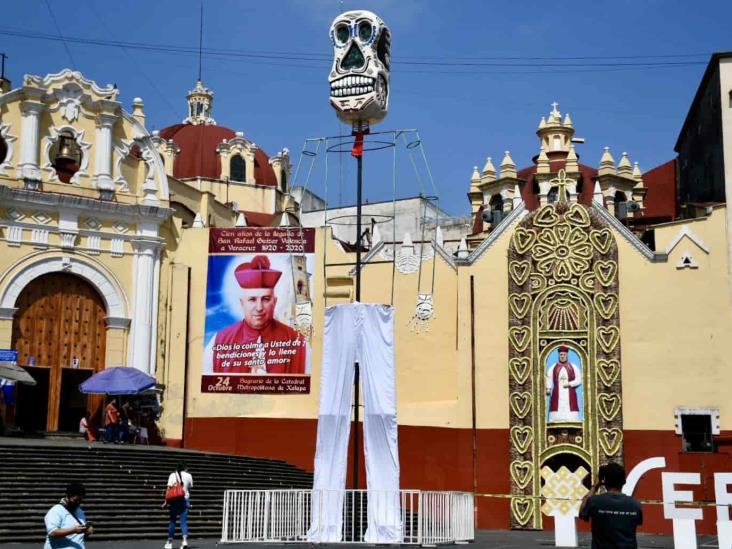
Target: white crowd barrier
[(285, 516)]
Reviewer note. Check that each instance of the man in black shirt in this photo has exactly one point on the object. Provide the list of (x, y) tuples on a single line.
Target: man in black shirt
[(614, 515)]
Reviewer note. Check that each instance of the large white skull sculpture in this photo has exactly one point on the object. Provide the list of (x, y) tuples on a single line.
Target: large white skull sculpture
[(359, 79)]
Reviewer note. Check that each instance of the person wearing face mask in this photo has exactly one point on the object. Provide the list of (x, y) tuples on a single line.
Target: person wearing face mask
[(66, 525)]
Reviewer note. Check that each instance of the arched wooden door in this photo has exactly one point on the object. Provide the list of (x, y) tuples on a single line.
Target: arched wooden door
[(59, 332)]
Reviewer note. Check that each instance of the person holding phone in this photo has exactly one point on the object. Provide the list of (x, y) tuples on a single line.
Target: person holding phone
[(614, 516), (66, 525)]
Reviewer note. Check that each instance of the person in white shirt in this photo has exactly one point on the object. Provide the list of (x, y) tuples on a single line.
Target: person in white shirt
[(179, 507), (66, 525)]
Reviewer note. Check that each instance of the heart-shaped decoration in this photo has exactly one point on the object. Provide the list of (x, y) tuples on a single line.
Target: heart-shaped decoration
[(519, 337), (607, 337), (537, 282), (602, 240), (609, 405), (519, 304), (522, 472), (520, 403), (606, 304), (577, 215), (522, 510), (520, 368), (608, 371), (520, 271), (562, 271), (605, 272), (546, 216), (523, 239), (587, 282), (610, 440), (522, 437), (561, 232)]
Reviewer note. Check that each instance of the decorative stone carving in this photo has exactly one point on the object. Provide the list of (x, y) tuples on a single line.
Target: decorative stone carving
[(563, 291), (10, 140)]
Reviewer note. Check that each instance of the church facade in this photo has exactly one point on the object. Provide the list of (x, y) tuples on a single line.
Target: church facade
[(585, 319)]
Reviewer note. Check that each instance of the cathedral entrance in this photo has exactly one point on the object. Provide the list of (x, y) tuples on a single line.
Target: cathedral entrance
[(59, 332)]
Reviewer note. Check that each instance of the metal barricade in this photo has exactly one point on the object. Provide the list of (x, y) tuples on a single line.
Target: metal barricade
[(410, 517)]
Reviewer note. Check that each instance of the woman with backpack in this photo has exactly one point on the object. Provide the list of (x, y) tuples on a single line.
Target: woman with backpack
[(177, 498)]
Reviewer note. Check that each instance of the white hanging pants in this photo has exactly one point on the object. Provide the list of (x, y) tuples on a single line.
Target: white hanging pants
[(362, 333)]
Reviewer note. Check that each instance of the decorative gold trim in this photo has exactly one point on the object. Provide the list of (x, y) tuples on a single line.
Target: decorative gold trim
[(606, 304), (608, 337), (522, 510), (611, 440), (519, 271), (520, 337), (520, 304)]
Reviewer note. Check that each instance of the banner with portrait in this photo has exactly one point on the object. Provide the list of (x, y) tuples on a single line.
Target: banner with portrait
[(258, 311)]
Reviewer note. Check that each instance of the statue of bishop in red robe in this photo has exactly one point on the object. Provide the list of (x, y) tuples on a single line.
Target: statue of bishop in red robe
[(562, 380)]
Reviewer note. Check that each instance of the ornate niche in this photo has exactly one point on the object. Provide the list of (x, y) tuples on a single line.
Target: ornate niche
[(564, 356)]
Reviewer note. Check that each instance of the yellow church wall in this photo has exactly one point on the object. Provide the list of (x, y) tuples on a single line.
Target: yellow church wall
[(675, 328), (249, 197)]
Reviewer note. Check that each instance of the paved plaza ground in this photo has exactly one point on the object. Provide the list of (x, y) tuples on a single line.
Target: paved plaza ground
[(494, 539)]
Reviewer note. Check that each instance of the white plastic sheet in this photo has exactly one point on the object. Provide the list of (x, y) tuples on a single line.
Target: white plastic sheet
[(362, 333)]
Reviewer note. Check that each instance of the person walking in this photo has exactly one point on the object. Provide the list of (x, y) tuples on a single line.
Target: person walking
[(66, 525), (177, 499), (614, 515)]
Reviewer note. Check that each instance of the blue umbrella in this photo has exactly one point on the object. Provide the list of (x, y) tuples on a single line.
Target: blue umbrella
[(120, 380)]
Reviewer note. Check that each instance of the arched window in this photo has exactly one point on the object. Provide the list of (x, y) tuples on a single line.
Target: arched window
[(283, 181), (496, 206), (621, 205), (66, 156), (553, 195), (237, 168)]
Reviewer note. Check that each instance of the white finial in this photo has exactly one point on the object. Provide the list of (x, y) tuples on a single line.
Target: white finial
[(198, 222), (241, 221), (439, 238), (476, 175), (489, 170), (462, 251), (607, 163), (597, 197), (624, 166), (407, 241), (517, 200), (637, 173), (508, 167), (567, 121)]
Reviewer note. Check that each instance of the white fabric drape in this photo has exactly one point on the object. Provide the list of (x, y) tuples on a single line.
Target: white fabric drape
[(362, 333)]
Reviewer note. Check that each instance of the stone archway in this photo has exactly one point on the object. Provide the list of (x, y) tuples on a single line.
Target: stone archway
[(59, 331)]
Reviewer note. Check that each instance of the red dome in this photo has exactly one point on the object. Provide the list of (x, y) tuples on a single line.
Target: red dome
[(198, 156)]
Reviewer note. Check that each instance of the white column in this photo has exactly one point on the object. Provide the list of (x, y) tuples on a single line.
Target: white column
[(103, 158), (29, 146), (141, 337), (155, 309)]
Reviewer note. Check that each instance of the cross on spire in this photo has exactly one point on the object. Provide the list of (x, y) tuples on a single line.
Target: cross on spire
[(561, 182), (555, 105)]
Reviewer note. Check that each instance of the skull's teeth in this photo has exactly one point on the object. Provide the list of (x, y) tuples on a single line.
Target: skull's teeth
[(352, 85)]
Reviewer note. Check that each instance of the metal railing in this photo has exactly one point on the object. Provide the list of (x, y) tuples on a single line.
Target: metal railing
[(412, 517)]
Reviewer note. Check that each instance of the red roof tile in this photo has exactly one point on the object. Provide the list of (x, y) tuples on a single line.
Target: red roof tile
[(198, 156)]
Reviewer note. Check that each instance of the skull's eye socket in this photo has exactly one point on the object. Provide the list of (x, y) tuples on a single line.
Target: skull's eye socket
[(342, 34), (365, 30)]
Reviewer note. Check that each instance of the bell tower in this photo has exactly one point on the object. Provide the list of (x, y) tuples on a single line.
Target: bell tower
[(200, 105)]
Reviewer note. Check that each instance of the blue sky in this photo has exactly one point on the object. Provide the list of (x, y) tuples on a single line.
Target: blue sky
[(464, 112)]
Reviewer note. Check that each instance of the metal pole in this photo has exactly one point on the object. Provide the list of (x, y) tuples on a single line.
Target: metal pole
[(356, 445)]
